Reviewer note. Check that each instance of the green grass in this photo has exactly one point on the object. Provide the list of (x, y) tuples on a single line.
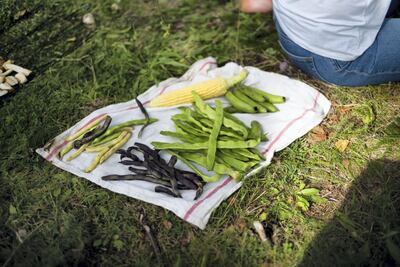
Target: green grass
[(50, 217)]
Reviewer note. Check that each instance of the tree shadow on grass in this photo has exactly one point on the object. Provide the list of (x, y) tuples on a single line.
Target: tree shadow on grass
[(366, 229)]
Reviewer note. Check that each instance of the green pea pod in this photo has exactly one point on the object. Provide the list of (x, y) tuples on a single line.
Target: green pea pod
[(239, 104), (250, 92), (256, 131), (274, 99), (212, 141), (210, 113), (196, 146), (244, 98), (218, 167), (231, 109), (208, 179), (270, 107)]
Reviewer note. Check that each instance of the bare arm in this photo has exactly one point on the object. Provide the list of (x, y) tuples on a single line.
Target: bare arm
[(256, 6)]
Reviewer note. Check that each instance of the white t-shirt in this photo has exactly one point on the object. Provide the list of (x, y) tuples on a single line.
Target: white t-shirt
[(338, 29)]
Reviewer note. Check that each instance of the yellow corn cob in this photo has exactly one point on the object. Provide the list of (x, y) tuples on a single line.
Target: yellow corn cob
[(207, 89)]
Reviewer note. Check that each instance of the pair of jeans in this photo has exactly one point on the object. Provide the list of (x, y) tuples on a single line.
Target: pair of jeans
[(380, 63)]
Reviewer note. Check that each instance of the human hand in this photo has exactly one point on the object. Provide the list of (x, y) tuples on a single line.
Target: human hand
[(256, 6)]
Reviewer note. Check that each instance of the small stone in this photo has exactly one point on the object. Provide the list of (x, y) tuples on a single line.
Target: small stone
[(88, 19), (283, 66), (115, 7)]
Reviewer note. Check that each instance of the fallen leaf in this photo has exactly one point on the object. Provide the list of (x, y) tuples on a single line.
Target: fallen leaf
[(332, 119), (318, 134), (341, 145), (343, 110), (240, 224), (276, 161), (346, 163), (232, 201), (167, 224), (20, 14), (262, 217), (115, 7), (283, 66), (12, 210), (88, 19), (21, 234), (186, 240), (260, 231)]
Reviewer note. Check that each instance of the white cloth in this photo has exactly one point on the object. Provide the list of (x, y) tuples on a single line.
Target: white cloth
[(304, 109), (341, 29)]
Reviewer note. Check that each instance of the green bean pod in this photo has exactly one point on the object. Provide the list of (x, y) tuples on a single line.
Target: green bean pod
[(218, 167), (257, 152), (184, 137), (252, 153), (231, 109), (256, 131), (197, 146), (212, 141), (78, 152), (105, 139), (86, 129), (109, 144), (234, 154), (224, 130), (114, 148), (190, 129), (231, 161), (210, 113), (70, 145), (208, 179), (96, 160), (66, 149), (116, 128)]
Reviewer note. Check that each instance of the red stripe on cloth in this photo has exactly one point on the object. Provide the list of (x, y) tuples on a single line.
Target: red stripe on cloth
[(207, 63), (56, 150), (60, 146), (198, 203), (291, 123)]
